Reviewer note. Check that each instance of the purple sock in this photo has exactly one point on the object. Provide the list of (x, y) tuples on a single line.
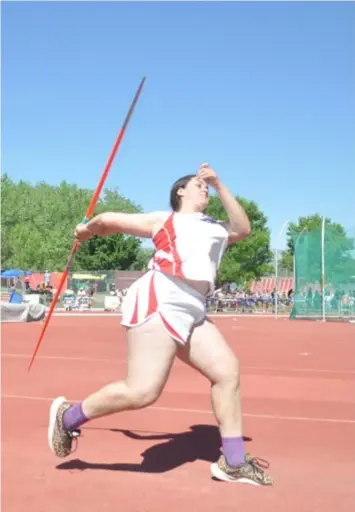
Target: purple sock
[(74, 417), (233, 450)]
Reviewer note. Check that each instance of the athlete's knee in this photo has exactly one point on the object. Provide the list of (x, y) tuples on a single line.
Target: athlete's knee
[(228, 374), (144, 396), (131, 395)]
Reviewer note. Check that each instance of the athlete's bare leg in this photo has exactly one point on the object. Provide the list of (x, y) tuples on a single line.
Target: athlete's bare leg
[(208, 352), (151, 352)]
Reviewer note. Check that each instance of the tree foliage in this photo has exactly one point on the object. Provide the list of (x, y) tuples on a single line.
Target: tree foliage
[(38, 222), (308, 224), (143, 257), (250, 258)]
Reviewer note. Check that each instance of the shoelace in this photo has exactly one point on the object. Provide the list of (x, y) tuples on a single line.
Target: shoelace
[(259, 463)]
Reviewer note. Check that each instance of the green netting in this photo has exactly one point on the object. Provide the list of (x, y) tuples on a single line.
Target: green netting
[(324, 268)]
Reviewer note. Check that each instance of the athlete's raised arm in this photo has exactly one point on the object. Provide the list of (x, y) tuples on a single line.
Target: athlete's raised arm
[(142, 225), (238, 225)]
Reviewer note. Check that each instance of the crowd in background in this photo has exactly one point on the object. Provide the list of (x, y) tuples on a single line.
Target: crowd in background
[(239, 300)]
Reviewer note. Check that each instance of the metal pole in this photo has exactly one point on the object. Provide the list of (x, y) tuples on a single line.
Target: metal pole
[(323, 268), (277, 269), (276, 276)]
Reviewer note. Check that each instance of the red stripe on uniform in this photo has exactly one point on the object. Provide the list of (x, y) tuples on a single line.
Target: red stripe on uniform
[(169, 226), (152, 299), (160, 241), (134, 319), (165, 240), (171, 330)]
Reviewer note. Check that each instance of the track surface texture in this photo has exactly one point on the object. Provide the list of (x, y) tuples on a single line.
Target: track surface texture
[(298, 387)]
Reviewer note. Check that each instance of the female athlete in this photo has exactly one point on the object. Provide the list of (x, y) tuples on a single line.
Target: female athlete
[(165, 315)]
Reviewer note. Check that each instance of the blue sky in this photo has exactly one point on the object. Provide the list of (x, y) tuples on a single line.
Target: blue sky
[(265, 92)]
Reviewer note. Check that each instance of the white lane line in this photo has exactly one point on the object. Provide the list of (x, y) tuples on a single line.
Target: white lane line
[(115, 360), (202, 411)]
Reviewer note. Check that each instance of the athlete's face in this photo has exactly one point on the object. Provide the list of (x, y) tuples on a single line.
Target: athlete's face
[(196, 194)]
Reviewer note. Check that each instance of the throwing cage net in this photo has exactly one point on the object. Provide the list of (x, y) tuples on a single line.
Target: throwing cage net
[(324, 270)]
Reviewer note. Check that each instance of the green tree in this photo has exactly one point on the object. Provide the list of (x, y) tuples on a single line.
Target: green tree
[(250, 258), (38, 222), (142, 260), (116, 252), (308, 224)]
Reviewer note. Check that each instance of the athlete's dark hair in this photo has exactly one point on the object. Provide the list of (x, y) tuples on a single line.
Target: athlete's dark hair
[(175, 199)]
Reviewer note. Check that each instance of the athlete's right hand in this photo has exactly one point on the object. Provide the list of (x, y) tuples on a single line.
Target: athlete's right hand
[(82, 233)]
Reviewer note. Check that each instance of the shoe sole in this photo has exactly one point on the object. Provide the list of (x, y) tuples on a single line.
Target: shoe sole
[(52, 419), (221, 475)]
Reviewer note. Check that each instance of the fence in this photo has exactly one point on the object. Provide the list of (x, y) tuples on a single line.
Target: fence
[(94, 289), (323, 283), (324, 266), (97, 290)]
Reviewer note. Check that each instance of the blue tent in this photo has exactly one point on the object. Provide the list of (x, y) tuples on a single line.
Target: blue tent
[(7, 274)]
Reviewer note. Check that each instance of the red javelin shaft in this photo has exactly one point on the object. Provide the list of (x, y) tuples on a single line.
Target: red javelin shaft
[(89, 213)]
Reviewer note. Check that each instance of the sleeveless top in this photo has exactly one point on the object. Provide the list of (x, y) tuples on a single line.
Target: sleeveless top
[(190, 246)]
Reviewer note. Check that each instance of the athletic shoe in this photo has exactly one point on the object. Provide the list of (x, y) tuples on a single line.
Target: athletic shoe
[(251, 472), (59, 438)]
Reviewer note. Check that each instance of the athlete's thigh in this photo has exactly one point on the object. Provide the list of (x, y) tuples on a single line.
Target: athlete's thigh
[(209, 353), (151, 353)]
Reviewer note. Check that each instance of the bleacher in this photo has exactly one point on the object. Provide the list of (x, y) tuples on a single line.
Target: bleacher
[(268, 284)]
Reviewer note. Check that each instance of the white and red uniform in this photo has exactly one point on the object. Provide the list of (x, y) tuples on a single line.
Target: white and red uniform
[(188, 246)]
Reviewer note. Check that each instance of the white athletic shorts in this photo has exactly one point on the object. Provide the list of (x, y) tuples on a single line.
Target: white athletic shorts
[(179, 305)]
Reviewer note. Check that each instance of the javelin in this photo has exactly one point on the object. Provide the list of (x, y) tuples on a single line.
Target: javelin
[(89, 213)]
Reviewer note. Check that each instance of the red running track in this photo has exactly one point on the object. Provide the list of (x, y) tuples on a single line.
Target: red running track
[(298, 399)]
